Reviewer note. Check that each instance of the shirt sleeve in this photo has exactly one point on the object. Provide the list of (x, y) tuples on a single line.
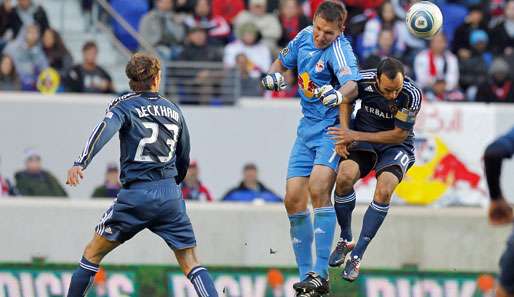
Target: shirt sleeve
[(103, 132), (405, 118), (182, 153), (344, 62), (289, 54)]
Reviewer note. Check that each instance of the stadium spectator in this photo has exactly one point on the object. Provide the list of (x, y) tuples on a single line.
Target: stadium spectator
[(438, 92), (217, 27), (228, 9), (163, 29), (385, 48), (5, 34), (386, 19), (267, 23), (250, 85), (27, 13), (111, 186), (184, 6), (6, 187), (192, 187), (437, 62), (35, 181), (56, 52), (292, 20), (28, 56), (258, 54), (461, 45), (473, 68), (89, 77), (202, 85), (251, 189), (498, 88), (132, 11), (502, 40), (9, 80)]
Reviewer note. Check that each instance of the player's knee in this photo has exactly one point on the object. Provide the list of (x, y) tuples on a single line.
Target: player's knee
[(295, 203), (344, 183), (383, 194), (319, 192)]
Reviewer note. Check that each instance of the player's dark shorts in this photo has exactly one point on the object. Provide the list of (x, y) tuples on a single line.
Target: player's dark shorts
[(371, 156), (156, 205), (507, 266)]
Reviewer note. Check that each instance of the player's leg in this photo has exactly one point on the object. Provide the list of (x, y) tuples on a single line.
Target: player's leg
[(296, 199), (506, 277), (321, 184), (500, 149), (83, 276), (358, 164), (196, 273), (391, 167), (173, 225)]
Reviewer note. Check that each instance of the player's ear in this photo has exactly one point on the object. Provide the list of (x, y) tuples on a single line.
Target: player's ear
[(343, 27)]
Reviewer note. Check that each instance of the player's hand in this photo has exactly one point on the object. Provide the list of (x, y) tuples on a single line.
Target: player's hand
[(329, 96), (500, 212), (75, 175), (274, 82), (342, 136), (342, 150)]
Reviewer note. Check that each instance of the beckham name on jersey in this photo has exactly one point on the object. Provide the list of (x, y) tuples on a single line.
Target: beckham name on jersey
[(157, 110)]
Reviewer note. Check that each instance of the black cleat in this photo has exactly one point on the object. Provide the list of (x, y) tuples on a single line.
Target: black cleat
[(313, 283)]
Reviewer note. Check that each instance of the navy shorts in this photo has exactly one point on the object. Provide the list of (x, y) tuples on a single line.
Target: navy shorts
[(156, 205), (507, 266), (371, 156)]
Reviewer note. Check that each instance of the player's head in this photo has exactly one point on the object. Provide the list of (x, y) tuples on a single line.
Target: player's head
[(328, 23), (144, 73), (390, 75)]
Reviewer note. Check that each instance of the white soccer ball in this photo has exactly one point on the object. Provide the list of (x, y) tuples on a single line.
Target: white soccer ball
[(424, 19)]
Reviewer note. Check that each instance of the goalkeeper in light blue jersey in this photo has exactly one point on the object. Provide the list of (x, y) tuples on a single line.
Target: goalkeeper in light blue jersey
[(327, 74)]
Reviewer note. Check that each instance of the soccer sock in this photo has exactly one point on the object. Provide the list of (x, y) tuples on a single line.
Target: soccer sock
[(301, 237), (202, 281), (344, 206), (324, 227), (373, 218), (82, 278)]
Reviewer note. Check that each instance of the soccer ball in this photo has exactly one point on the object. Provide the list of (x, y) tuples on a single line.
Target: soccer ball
[(424, 19)]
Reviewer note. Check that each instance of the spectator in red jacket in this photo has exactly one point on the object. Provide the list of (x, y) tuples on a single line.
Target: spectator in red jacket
[(192, 187), (228, 9), (292, 20), (216, 26)]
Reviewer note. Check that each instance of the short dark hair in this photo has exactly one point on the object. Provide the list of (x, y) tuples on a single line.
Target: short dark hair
[(390, 67), (89, 45), (332, 11), (141, 71)]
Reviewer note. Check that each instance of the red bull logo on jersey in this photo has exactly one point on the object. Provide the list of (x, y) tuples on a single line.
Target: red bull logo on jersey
[(306, 84)]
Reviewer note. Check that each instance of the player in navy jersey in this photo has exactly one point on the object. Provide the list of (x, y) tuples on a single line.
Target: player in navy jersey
[(327, 70), (500, 212), (380, 138), (154, 157)]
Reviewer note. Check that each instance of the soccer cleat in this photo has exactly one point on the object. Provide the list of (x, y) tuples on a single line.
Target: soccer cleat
[(339, 253), (313, 283), (351, 270)]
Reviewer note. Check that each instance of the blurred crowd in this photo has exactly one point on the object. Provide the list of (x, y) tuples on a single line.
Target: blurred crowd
[(470, 60), (35, 181)]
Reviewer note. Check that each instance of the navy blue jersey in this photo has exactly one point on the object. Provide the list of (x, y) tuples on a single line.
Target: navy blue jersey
[(380, 114), (154, 140)]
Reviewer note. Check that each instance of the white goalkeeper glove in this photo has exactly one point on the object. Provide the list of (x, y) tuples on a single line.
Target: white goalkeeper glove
[(329, 96), (274, 82)]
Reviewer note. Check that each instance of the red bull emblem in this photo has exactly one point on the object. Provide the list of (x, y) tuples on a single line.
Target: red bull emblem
[(320, 66), (306, 84)]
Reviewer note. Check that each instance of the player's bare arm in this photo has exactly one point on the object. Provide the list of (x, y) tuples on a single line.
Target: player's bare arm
[(346, 136)]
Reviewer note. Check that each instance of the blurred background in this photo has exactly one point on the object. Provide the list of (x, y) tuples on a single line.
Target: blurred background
[(62, 61)]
